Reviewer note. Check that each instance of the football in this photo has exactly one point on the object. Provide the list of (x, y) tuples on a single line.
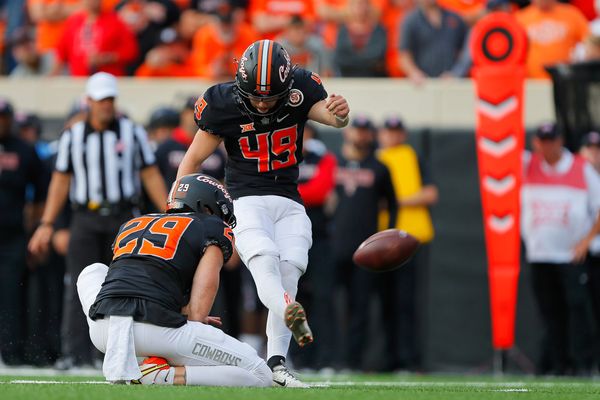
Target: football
[(385, 250)]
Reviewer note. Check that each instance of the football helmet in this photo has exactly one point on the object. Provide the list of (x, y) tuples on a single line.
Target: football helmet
[(264, 72), (201, 194)]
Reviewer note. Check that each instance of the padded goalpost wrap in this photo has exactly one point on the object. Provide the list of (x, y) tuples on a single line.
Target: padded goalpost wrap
[(498, 45)]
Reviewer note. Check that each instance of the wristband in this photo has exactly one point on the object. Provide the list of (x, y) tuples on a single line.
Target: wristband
[(46, 223)]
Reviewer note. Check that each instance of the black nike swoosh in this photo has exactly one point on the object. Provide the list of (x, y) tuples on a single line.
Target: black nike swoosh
[(281, 383)]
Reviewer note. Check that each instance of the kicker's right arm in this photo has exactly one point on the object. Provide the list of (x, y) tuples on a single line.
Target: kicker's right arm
[(202, 147)]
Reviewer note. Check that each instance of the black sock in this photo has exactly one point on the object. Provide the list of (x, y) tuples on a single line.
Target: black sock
[(275, 361)]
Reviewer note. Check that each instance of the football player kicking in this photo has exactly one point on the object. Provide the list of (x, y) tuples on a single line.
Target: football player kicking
[(138, 306), (260, 117)]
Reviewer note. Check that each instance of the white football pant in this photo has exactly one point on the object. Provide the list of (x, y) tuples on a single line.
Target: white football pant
[(272, 236), (217, 359)]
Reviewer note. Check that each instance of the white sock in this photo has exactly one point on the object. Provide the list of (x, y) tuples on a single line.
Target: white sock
[(227, 375), (278, 333), (267, 278)]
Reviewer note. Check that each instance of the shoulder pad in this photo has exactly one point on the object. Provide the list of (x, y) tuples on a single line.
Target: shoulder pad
[(217, 232)]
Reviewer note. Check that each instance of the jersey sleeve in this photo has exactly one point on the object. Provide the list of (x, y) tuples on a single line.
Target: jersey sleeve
[(64, 161), (114, 243), (310, 84), (217, 233), (205, 111)]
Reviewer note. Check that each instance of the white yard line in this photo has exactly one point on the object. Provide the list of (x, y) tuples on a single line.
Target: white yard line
[(35, 382), (502, 386), (516, 386), (28, 371)]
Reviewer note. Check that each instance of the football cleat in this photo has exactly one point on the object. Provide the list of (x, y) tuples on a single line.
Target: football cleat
[(155, 371), (295, 320), (283, 377)]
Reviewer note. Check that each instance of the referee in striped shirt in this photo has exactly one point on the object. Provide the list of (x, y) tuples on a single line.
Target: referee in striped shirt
[(100, 165)]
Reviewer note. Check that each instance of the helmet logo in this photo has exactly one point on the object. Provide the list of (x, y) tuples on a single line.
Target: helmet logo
[(242, 69), (296, 98), (219, 186), (284, 71)]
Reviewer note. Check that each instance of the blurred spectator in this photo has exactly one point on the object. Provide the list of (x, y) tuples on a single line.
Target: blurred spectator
[(416, 192), (187, 129), (553, 29), (361, 42), (29, 61), (218, 42), (170, 153), (201, 12), (560, 200), (306, 49), (431, 41), (331, 13), (94, 40), (49, 17), (393, 18), (463, 66), (169, 58), (469, 10), (45, 276), (589, 49), (109, 5), (315, 182), (15, 14), (148, 19), (161, 125), (78, 112), (270, 17), (2, 42), (19, 167), (362, 185), (104, 192), (589, 8), (590, 150), (30, 130)]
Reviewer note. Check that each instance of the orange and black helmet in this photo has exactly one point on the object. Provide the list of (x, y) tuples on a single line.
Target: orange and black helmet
[(265, 71), (201, 194)]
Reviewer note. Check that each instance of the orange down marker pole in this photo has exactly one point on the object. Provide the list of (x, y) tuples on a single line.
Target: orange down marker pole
[(498, 45)]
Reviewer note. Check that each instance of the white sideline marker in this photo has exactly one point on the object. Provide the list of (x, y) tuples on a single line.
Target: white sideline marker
[(34, 382)]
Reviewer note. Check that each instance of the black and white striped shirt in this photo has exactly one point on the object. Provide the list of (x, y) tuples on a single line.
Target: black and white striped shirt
[(105, 165)]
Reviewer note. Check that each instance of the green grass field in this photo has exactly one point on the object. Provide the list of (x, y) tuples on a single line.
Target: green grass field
[(340, 387)]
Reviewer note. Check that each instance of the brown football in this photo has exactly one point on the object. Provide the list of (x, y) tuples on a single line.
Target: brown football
[(385, 250)]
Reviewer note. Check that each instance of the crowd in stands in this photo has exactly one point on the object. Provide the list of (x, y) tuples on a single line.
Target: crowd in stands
[(417, 39)]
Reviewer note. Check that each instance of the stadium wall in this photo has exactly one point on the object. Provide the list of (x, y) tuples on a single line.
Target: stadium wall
[(435, 104)]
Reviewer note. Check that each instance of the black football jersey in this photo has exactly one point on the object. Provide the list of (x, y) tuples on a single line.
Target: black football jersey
[(155, 259), (263, 154)]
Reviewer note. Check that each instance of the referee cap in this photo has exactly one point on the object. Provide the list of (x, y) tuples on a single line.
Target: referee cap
[(101, 85)]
